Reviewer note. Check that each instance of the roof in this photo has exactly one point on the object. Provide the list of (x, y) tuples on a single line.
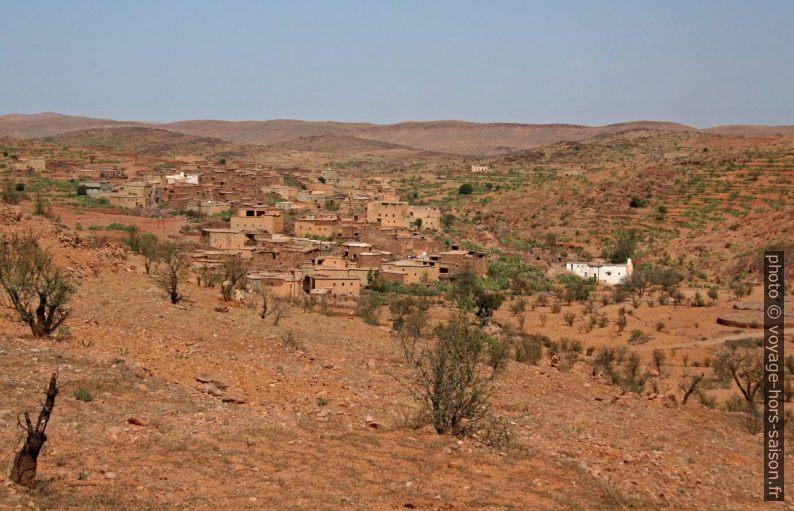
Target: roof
[(322, 276)]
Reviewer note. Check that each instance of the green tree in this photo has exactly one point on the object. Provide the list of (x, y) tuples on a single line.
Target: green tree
[(35, 287)]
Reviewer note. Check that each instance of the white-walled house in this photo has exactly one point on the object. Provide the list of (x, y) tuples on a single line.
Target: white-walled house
[(192, 179), (606, 273)]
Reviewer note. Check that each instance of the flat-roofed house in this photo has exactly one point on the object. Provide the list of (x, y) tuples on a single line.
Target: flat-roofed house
[(410, 271), (335, 285), (388, 214), (602, 272), (424, 217), (352, 249), (258, 218), (288, 284)]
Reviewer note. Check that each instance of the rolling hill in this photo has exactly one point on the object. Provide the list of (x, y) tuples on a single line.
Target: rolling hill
[(455, 137)]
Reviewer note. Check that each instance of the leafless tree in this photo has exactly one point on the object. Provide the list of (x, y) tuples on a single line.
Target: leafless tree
[(23, 469), (272, 306), (37, 290)]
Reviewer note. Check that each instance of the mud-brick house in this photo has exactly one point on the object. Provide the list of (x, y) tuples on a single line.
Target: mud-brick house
[(424, 217), (453, 261), (285, 192), (226, 239), (258, 218), (334, 285), (410, 271), (287, 284), (318, 226), (387, 214), (373, 259), (352, 249)]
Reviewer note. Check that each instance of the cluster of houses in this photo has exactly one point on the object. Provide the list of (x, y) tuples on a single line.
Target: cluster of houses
[(328, 253), (328, 233)]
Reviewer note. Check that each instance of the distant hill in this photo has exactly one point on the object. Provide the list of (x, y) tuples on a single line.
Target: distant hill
[(50, 124), (455, 137), (143, 140)]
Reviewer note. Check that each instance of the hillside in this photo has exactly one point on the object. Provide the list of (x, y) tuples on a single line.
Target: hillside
[(455, 137), (142, 140), (50, 124), (713, 201), (314, 414)]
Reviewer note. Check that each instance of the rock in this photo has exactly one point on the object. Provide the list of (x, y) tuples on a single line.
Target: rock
[(237, 400), (136, 421), (222, 309), (211, 389), (203, 378), (110, 475)]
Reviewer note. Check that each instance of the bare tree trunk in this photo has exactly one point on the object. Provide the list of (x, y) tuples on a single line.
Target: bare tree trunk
[(23, 471)]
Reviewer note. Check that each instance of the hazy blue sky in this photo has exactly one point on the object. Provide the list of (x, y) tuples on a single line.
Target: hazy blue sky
[(591, 62)]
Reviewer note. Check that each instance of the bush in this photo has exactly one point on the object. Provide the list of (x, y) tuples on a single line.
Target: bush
[(367, 308), (569, 317), (82, 190), (449, 382), (487, 304), (638, 337), (465, 189), (84, 395), (10, 194), (529, 350)]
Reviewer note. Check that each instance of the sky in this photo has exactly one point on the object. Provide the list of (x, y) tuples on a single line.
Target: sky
[(702, 63)]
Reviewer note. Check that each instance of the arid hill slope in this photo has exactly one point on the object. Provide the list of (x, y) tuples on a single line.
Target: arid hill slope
[(315, 415), (456, 137)]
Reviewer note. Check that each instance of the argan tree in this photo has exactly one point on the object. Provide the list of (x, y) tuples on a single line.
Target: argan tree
[(23, 469), (234, 270), (745, 366), (689, 385), (35, 287), (173, 270), (149, 249)]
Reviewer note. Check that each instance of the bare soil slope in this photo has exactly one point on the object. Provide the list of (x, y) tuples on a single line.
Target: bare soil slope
[(457, 137)]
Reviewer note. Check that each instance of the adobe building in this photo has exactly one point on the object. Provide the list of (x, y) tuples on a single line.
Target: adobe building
[(373, 259), (287, 284), (387, 214), (451, 262), (324, 226), (227, 239), (352, 249), (258, 218), (410, 272), (334, 285), (424, 217)]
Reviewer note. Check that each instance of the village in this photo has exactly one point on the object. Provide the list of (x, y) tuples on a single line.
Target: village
[(326, 234)]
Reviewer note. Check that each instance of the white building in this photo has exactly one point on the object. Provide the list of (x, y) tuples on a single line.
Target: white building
[(475, 168), (606, 273), (191, 179)]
